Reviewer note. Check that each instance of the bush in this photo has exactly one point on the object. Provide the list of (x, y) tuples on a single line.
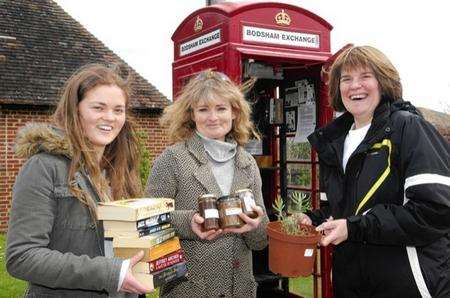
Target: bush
[(145, 165)]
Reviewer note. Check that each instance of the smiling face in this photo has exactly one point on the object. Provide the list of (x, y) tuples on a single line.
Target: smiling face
[(213, 118), (360, 93), (102, 115)]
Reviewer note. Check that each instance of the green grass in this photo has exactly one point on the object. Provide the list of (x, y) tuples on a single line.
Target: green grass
[(9, 287), (302, 286)]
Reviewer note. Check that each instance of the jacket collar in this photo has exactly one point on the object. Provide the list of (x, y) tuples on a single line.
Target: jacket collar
[(195, 147), (242, 175), (329, 140), (342, 124), (39, 137), (219, 151)]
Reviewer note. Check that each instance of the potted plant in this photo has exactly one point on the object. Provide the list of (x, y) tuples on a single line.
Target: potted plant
[(292, 245)]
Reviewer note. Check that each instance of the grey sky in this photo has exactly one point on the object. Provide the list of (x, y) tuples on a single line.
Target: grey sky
[(414, 35)]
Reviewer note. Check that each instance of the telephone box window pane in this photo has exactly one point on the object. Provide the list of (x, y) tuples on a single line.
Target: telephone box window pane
[(298, 151), (299, 175)]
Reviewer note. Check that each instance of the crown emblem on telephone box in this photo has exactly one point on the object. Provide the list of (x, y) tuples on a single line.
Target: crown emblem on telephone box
[(198, 24), (282, 18)]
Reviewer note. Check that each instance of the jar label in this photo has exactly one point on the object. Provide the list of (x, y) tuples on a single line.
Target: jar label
[(309, 252), (249, 201), (211, 213), (233, 211)]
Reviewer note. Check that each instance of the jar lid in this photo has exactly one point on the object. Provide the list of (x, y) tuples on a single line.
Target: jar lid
[(243, 190), (224, 198), (207, 196)]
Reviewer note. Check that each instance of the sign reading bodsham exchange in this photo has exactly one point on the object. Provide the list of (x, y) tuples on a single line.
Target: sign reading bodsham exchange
[(200, 42), (288, 38)]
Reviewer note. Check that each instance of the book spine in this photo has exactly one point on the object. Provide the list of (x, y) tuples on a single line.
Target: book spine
[(154, 229), (162, 206), (150, 254), (153, 221), (166, 261), (162, 238), (169, 274), (163, 249)]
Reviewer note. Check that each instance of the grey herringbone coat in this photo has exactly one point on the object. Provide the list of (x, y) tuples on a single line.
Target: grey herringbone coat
[(218, 268)]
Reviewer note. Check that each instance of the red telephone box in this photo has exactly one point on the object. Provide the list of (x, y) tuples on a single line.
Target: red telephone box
[(286, 48)]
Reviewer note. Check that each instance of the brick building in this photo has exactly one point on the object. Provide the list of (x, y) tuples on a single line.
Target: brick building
[(40, 47), (440, 120)]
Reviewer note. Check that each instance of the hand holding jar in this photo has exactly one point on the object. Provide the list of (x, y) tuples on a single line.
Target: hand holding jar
[(249, 223), (197, 227)]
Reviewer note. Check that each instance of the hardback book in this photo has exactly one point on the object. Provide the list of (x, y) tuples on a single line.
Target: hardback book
[(137, 233), (134, 209), (159, 264), (145, 241), (150, 253), (120, 225), (163, 276)]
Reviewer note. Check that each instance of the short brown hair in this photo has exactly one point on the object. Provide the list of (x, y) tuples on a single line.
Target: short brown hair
[(208, 85), (364, 57)]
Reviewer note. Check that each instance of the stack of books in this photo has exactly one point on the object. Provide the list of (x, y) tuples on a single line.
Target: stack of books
[(144, 224)]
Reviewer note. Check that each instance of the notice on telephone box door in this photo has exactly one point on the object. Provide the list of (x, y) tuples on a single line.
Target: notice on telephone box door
[(300, 110), (306, 122)]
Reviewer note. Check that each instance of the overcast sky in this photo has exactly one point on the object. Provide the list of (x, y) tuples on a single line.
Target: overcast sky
[(413, 34)]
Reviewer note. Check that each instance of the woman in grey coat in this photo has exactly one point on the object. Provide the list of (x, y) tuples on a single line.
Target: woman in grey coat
[(209, 123), (54, 240)]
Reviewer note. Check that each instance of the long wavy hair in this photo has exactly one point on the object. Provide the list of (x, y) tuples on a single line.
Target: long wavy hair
[(364, 57), (207, 86), (117, 175)]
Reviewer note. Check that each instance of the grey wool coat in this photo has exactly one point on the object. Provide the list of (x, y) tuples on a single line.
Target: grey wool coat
[(53, 242), (217, 268)]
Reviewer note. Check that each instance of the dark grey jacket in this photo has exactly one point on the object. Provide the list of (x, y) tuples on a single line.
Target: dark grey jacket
[(53, 242), (218, 268)]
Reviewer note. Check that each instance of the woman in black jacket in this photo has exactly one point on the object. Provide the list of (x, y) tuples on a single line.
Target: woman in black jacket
[(385, 172)]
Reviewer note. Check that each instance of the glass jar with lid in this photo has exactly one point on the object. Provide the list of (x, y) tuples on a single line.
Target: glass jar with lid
[(207, 206), (229, 209), (248, 201)]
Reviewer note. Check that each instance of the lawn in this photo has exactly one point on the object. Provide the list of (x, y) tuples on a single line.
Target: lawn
[(302, 286), (11, 287)]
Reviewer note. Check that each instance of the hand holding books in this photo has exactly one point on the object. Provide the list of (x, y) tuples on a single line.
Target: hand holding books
[(130, 283), (140, 230)]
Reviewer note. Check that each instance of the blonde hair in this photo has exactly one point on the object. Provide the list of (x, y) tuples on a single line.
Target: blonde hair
[(207, 86), (364, 57), (120, 159)]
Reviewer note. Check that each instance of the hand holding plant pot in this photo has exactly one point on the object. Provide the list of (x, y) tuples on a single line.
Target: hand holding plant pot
[(335, 231)]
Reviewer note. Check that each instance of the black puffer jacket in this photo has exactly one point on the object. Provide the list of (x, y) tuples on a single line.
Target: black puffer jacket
[(395, 195)]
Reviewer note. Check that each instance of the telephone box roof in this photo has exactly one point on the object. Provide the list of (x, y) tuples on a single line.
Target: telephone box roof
[(230, 9)]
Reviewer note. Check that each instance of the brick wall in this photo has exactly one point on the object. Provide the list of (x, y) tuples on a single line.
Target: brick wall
[(12, 118)]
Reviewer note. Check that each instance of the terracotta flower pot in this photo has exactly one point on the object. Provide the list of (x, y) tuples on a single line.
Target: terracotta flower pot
[(291, 255)]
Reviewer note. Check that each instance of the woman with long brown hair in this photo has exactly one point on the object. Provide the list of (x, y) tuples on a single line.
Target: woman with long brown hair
[(88, 155)]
